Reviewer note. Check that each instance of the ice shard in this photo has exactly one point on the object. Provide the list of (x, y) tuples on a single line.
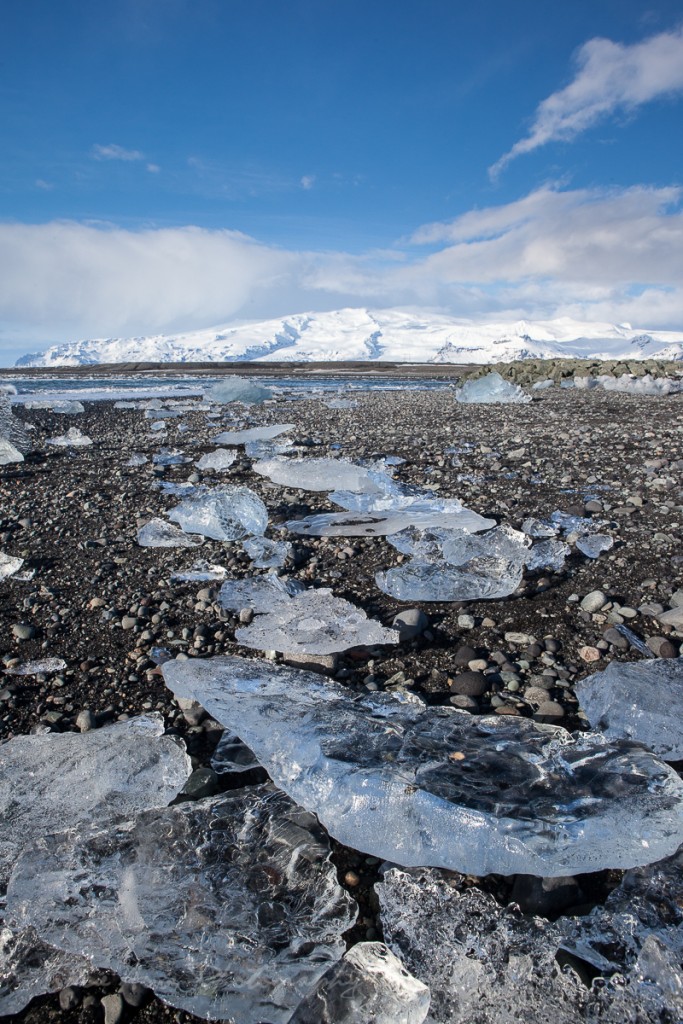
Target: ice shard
[(9, 564), (226, 513), (30, 967), (201, 570), (382, 524), (168, 457), (228, 908), (489, 390), (231, 756), (43, 666), (237, 437), (72, 439), (220, 460), (314, 622), (423, 785), (14, 439), (640, 701), (157, 533), (548, 554), (494, 965), (595, 545), (323, 475), (368, 986), (237, 389), (267, 554), (260, 593)]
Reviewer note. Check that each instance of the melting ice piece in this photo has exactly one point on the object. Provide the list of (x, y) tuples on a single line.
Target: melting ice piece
[(314, 622), (261, 593), (72, 439), (368, 986), (341, 403), (640, 701), (162, 414), (381, 524), (227, 908), (267, 554), (226, 513), (237, 389), (56, 781), (451, 565), (548, 554), (201, 571), (220, 460), (323, 475), (158, 427), (568, 523), (43, 666), (267, 449), (8, 452), (183, 488), (137, 459), (231, 756), (9, 565), (236, 437), (429, 785), (539, 528), (29, 967), (167, 457), (14, 439), (595, 545), (490, 389), (543, 385), (69, 408), (157, 533), (492, 964)]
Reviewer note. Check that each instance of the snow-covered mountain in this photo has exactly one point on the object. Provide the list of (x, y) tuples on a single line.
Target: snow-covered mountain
[(389, 335)]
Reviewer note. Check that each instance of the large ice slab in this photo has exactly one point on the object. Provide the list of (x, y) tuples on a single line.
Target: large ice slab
[(640, 701), (428, 785), (493, 965), (228, 908), (237, 389), (323, 475), (369, 985), (237, 437), (314, 622), (490, 389), (382, 524), (157, 533), (9, 564), (226, 513)]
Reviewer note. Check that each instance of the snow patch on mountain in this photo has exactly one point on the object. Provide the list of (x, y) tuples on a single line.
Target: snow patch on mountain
[(388, 335)]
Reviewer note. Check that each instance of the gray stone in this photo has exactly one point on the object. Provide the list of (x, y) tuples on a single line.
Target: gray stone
[(203, 782), (134, 994), (112, 1006), (594, 601), (24, 631), (545, 896), (85, 720), (661, 647), (470, 684), (69, 998), (410, 623), (672, 617)]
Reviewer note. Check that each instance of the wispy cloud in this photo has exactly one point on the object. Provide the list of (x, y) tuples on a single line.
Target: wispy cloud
[(610, 77), (307, 182), (115, 152)]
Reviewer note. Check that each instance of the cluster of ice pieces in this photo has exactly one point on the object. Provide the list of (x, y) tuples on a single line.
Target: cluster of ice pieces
[(72, 439), (489, 390), (226, 513), (627, 384), (492, 964), (641, 701), (420, 785), (237, 389), (69, 408)]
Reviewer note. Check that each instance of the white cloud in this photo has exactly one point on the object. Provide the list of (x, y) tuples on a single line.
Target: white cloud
[(153, 168), (607, 255), (114, 152), (610, 77), (307, 182)]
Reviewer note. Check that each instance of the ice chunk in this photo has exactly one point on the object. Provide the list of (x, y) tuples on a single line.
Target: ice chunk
[(490, 389), (548, 554), (183, 488), (157, 533), (451, 565), (423, 785), (220, 460), (68, 408), (158, 427), (226, 513), (14, 438), (539, 528), (168, 457), (9, 565), (162, 414), (323, 475), (368, 986), (267, 449), (543, 385), (341, 403), (43, 666), (29, 967), (137, 459), (8, 452), (231, 756), (237, 437), (267, 554), (568, 523), (640, 701), (54, 781), (491, 964), (261, 593), (237, 389), (314, 622), (227, 908), (645, 385), (595, 545), (380, 524), (201, 570), (72, 439)]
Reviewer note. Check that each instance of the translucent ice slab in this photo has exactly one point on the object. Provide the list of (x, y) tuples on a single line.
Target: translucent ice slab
[(72, 439), (227, 908), (428, 785), (323, 475), (237, 389), (490, 389), (381, 524), (157, 533), (261, 593), (236, 437), (9, 565), (595, 545), (43, 666), (219, 460), (267, 554), (228, 513)]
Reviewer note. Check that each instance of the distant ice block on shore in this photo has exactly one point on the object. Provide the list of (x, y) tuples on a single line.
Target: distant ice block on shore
[(219, 460), (251, 434), (489, 390), (72, 439), (237, 389)]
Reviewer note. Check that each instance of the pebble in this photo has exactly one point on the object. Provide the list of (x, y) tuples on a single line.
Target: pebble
[(661, 647), (549, 711), (410, 623), (589, 654), (24, 631), (202, 782), (672, 617), (536, 695), (465, 703), (470, 684), (128, 622), (112, 1005), (85, 720), (594, 601), (614, 637), (464, 655), (69, 998), (520, 638), (134, 994), (466, 621)]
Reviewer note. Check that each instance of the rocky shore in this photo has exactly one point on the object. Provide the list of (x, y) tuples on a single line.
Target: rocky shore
[(104, 604)]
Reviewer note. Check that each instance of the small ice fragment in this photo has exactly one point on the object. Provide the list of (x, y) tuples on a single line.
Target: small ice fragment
[(159, 655), (322, 475), (490, 389), (539, 528), (267, 554), (14, 440), (231, 756), (8, 453), (42, 666), (72, 439), (219, 460), (227, 907), (314, 622), (594, 545), (421, 785), (68, 408), (162, 414), (237, 437), (641, 701), (228, 513), (568, 523), (157, 533), (137, 459), (368, 986), (548, 554), (237, 389), (543, 385), (167, 457), (201, 570), (261, 593), (125, 405), (9, 565), (341, 403), (267, 449)]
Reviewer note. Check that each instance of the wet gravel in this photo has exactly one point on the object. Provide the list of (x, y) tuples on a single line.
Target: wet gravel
[(102, 603)]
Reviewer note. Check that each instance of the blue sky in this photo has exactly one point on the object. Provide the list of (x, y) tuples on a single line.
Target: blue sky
[(169, 164)]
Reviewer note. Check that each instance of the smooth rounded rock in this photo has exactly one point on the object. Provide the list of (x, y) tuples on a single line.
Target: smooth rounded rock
[(24, 631), (410, 623), (470, 684), (594, 601), (112, 1005)]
